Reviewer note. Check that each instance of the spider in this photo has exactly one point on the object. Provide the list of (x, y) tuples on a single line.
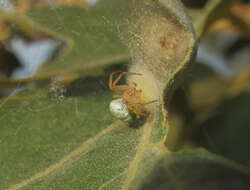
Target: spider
[(128, 98)]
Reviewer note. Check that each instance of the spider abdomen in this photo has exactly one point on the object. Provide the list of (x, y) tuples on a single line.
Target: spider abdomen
[(119, 109)]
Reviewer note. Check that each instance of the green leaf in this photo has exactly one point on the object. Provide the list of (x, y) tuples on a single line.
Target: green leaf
[(212, 11), (71, 137), (14, 25), (88, 44), (93, 38), (228, 137), (189, 169), (47, 134), (37, 130), (65, 138)]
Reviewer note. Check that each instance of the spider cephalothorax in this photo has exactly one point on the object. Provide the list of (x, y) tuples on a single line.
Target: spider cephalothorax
[(128, 98)]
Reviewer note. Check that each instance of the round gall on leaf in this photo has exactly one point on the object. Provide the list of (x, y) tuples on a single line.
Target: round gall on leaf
[(119, 109)]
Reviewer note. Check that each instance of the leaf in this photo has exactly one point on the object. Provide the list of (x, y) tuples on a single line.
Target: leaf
[(38, 130), (12, 25), (24, 5), (163, 59), (49, 134), (68, 135), (212, 11), (95, 40), (106, 156), (221, 15), (227, 137), (189, 169), (81, 54)]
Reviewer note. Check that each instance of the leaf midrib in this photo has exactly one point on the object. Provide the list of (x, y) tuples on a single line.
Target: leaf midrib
[(142, 146)]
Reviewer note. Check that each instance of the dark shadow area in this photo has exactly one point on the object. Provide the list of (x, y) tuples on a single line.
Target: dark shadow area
[(237, 46), (195, 4), (87, 85), (227, 133), (245, 1), (195, 175), (136, 123), (8, 62), (178, 108)]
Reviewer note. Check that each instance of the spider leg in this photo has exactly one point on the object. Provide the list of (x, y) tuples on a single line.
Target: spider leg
[(153, 101), (137, 110), (117, 96), (139, 114), (112, 84), (143, 104), (134, 110), (134, 84)]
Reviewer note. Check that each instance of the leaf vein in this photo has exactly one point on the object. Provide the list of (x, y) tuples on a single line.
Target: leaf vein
[(145, 139), (84, 147), (112, 179)]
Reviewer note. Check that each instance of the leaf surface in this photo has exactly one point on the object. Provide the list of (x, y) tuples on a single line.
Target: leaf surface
[(93, 35), (195, 169)]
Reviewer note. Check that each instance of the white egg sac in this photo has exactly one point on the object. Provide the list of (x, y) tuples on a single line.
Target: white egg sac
[(119, 109)]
